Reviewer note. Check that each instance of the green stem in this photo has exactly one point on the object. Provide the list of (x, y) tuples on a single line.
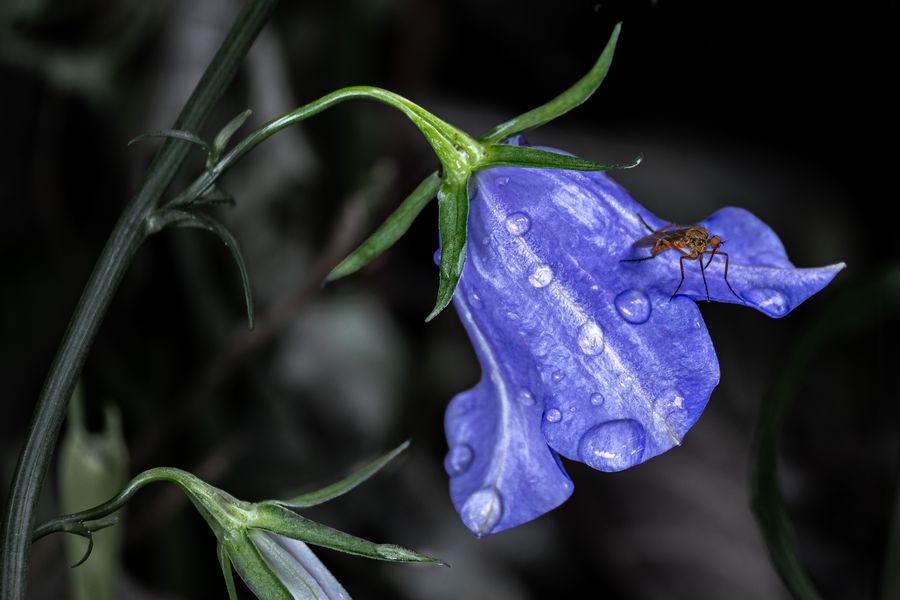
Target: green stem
[(65, 522), (124, 241), (456, 150)]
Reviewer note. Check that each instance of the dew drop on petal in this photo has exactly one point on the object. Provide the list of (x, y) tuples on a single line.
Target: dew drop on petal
[(501, 181), (613, 446), (482, 510), (458, 459), (518, 223), (597, 399), (541, 276), (526, 398), (475, 300), (590, 339), (557, 376), (669, 401), (437, 256), (553, 415), (770, 301), (512, 316), (634, 306)]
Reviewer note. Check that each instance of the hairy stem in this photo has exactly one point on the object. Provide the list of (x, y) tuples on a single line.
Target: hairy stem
[(124, 241)]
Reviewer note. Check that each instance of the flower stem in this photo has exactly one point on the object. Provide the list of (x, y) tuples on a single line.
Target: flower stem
[(123, 243)]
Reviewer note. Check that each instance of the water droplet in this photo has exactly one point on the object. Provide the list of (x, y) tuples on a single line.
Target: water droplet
[(595, 288), (597, 399), (669, 401), (613, 446), (486, 240), (526, 397), (770, 301), (482, 510), (626, 380), (553, 415), (590, 338), (557, 376), (634, 306), (518, 223), (437, 256), (475, 300), (512, 316), (501, 181), (458, 459), (541, 276)]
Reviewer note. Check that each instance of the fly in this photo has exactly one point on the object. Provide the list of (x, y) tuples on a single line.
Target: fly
[(691, 242)]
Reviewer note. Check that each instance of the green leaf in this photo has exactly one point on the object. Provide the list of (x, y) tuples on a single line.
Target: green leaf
[(345, 485), (198, 220), (220, 143), (505, 155), (213, 196), (175, 134), (572, 97), (390, 231), (225, 562), (453, 214), (276, 518)]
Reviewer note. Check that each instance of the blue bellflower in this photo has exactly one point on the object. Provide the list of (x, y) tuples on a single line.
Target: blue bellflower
[(584, 355)]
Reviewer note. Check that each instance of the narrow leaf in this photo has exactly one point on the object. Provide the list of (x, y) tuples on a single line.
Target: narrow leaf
[(175, 134), (214, 196), (572, 97), (199, 220), (278, 519), (505, 155), (345, 485), (390, 231), (225, 562), (453, 214), (220, 143)]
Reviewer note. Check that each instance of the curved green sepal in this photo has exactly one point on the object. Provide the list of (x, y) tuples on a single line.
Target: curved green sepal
[(274, 517), (572, 97), (174, 134), (397, 224), (225, 563), (453, 215), (505, 155), (345, 485), (220, 143), (253, 568), (197, 220)]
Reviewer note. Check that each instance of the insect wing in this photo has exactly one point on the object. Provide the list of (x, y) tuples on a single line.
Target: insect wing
[(651, 239)]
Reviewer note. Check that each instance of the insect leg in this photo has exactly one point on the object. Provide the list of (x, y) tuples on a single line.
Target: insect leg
[(638, 259), (726, 278), (711, 256), (650, 229), (703, 274), (680, 262)]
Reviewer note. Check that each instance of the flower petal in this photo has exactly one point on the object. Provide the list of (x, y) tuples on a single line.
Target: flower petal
[(758, 267), (502, 472), (301, 572), (620, 372)]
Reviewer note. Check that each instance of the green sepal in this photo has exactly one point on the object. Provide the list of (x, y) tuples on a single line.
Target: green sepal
[(198, 220), (505, 155), (560, 105), (343, 486), (274, 517), (453, 215), (227, 573), (220, 143), (253, 568), (174, 134), (397, 224)]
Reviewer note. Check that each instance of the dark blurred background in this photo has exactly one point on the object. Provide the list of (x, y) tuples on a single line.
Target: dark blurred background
[(786, 109)]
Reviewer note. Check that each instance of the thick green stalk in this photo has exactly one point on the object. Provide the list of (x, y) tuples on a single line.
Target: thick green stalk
[(124, 241)]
